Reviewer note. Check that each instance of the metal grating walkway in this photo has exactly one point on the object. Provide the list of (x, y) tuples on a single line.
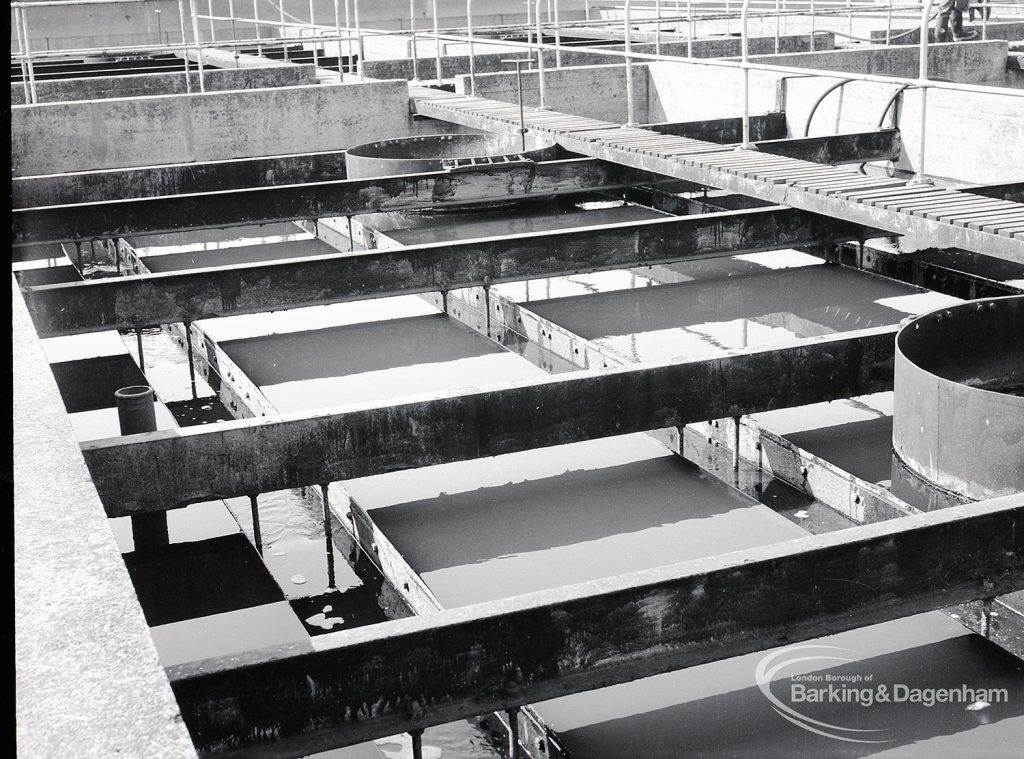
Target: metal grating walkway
[(946, 218)]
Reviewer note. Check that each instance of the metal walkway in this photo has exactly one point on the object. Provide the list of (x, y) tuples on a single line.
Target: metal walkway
[(945, 218)]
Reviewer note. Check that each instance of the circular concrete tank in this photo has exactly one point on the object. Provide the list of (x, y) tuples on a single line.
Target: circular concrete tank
[(416, 155), (958, 418)]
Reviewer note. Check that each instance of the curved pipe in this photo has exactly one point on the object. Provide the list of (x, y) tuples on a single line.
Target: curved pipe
[(821, 97)]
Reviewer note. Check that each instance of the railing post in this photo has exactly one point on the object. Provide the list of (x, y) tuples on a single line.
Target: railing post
[(360, 48), (256, 24), (284, 31), (657, 28), (472, 62), (627, 23), (745, 46), (558, 40), (312, 37), (437, 44), (540, 59), (209, 12), (810, 42), (234, 35), (412, 31), (199, 48), (926, 7), (337, 32), (690, 22)]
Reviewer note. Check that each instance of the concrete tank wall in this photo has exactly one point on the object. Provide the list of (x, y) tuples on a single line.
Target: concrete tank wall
[(143, 85), (62, 137), (971, 136), (947, 427)]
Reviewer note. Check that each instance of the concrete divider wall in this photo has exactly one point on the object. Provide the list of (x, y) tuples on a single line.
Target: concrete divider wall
[(964, 62), (62, 137), (490, 62), (994, 30), (597, 92), (143, 85)]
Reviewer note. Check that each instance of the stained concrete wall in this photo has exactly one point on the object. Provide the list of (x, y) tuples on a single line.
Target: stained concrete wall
[(993, 30), (490, 62), (966, 62), (62, 137), (141, 85)]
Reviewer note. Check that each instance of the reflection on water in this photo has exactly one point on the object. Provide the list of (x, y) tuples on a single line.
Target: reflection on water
[(717, 710), (702, 317), (504, 540)]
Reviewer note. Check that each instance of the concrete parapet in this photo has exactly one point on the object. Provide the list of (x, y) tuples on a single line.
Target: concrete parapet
[(142, 85), (993, 30), (65, 137), (89, 683)]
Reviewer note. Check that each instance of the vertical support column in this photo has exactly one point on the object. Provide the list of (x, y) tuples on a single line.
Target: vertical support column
[(209, 13), (810, 41), (657, 28), (416, 736), (348, 41), (513, 733), (328, 534), (746, 74), (138, 341), (487, 301), (736, 443), (191, 358), (257, 536), (136, 413)]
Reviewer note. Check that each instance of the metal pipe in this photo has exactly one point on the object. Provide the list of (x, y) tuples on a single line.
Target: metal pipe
[(199, 49), (627, 23), (540, 59), (437, 45), (184, 41), (888, 25), (821, 97), (472, 62), (142, 357), (191, 358), (209, 10), (412, 31)]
